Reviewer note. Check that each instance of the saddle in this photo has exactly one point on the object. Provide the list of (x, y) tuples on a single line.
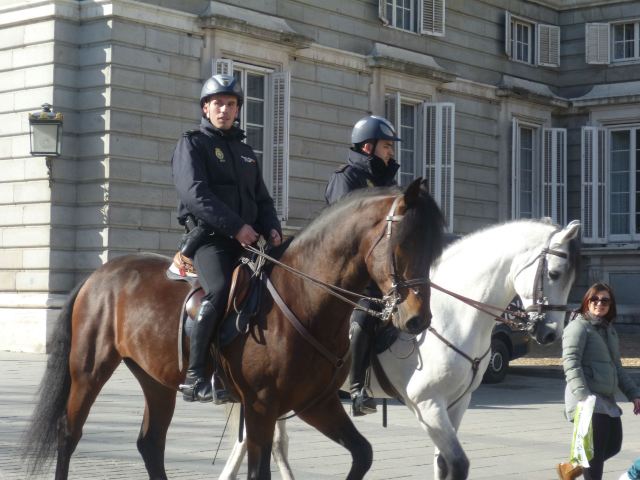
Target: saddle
[(182, 268), (242, 304)]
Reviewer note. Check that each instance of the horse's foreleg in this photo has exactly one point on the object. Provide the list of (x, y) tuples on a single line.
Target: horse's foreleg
[(280, 452), (259, 439), (160, 403), (330, 418), (451, 462)]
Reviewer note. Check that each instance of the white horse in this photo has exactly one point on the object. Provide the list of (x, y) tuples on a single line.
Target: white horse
[(533, 259)]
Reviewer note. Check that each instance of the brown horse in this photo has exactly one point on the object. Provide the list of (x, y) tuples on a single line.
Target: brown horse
[(128, 310)]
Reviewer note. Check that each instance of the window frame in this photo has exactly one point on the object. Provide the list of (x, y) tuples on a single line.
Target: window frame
[(515, 22), (442, 142), (636, 42), (427, 16), (596, 184), (276, 113), (543, 42), (548, 171), (244, 69), (536, 169), (632, 184)]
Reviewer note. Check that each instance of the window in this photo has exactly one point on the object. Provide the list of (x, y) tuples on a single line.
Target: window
[(614, 42), (611, 184), (265, 119), (427, 132), (625, 41), (521, 41), (532, 43), (538, 172), (420, 16)]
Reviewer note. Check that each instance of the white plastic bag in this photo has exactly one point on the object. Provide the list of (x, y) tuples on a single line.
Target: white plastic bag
[(582, 441)]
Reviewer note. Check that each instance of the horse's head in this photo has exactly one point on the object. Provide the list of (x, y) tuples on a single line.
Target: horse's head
[(407, 239), (543, 280)]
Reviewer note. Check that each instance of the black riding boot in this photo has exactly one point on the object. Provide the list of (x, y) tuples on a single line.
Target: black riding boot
[(197, 387), (361, 402)]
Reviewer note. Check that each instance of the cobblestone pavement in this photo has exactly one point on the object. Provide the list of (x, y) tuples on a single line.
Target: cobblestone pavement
[(513, 430)]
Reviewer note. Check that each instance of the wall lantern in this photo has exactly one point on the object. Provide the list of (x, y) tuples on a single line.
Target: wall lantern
[(45, 131)]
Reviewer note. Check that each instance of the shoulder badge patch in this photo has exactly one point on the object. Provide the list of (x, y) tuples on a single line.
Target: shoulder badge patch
[(189, 133), (219, 154), (370, 183)]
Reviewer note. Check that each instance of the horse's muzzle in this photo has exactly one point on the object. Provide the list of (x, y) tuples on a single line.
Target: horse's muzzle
[(417, 324)]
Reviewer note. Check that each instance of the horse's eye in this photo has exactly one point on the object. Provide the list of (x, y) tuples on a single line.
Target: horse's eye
[(554, 275)]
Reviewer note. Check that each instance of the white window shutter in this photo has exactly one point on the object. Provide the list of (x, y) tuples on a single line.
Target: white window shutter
[(222, 66), (597, 43), (592, 182), (280, 88), (432, 17), (392, 103), (507, 34), (554, 174), (548, 45), (382, 12), (515, 169), (439, 148)]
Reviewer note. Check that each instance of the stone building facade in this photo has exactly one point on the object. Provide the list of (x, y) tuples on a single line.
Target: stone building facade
[(511, 109)]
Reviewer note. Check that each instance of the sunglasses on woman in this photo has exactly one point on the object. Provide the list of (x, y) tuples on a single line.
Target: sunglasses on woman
[(600, 300)]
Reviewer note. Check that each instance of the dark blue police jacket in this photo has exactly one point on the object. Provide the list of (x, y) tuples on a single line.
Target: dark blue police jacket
[(219, 182), (361, 171)]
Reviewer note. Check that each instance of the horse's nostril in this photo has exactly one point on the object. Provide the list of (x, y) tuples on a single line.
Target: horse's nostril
[(417, 324)]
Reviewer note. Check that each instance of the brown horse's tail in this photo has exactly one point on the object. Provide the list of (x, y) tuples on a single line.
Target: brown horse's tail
[(39, 443)]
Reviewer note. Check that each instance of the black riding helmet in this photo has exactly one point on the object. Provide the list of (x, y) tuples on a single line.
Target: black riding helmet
[(223, 85), (372, 128)]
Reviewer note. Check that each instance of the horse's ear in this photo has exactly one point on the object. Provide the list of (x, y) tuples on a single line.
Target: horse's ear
[(412, 192), (571, 231)]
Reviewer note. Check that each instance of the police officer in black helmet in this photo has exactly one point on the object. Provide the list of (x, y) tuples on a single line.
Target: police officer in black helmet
[(221, 191), (370, 164)]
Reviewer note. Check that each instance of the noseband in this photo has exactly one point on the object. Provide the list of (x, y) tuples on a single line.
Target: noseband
[(393, 297), (540, 305)]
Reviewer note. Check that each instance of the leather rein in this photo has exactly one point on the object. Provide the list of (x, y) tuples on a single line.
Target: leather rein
[(529, 322), (390, 301)]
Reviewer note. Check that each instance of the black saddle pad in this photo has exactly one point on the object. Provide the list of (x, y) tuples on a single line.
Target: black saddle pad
[(238, 321)]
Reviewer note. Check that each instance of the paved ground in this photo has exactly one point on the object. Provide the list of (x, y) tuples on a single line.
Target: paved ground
[(513, 430)]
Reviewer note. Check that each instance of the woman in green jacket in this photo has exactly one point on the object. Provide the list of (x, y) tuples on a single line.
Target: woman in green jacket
[(592, 366)]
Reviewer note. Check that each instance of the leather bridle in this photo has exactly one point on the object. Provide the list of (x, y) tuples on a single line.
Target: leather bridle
[(540, 306), (393, 297)]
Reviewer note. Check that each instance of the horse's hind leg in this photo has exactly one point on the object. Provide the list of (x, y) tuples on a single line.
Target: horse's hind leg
[(330, 418), (160, 403), (280, 450), (85, 386)]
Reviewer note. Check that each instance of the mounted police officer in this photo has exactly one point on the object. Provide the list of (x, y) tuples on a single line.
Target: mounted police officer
[(370, 164), (221, 193)]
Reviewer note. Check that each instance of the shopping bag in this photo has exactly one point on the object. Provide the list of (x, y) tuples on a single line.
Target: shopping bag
[(582, 440)]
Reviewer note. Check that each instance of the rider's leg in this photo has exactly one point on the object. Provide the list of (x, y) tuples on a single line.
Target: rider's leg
[(214, 263), (361, 339)]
